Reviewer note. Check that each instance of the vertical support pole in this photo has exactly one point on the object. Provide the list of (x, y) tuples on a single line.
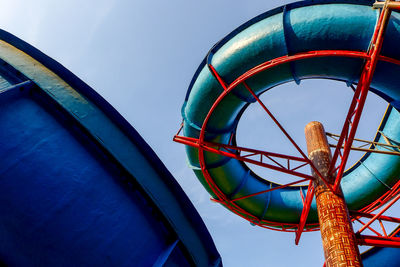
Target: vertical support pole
[(338, 239)]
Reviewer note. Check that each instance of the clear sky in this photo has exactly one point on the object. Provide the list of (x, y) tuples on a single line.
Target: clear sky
[(141, 55)]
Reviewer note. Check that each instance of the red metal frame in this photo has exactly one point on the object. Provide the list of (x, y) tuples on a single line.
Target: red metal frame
[(235, 152), (371, 57), (378, 239), (357, 104), (395, 190), (304, 212)]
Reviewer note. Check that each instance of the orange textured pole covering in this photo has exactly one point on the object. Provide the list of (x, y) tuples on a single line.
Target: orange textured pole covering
[(337, 233)]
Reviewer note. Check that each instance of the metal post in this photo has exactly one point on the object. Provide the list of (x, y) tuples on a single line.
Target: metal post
[(337, 233)]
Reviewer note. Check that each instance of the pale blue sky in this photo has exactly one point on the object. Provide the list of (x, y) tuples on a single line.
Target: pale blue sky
[(141, 56)]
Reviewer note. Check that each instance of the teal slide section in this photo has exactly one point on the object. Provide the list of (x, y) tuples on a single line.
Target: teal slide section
[(295, 28)]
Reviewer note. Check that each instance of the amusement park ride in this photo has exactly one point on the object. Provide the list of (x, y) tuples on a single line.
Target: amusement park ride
[(352, 41)]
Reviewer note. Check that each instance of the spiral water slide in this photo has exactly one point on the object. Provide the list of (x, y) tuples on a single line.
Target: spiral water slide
[(303, 40)]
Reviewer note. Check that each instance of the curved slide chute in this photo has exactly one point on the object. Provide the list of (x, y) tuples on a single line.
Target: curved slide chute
[(78, 185), (308, 39), (384, 257)]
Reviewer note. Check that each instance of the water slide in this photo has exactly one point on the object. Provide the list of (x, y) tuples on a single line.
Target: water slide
[(78, 185), (302, 40), (383, 257)]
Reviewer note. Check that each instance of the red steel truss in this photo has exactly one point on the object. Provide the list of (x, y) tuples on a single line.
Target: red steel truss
[(294, 164), (357, 104)]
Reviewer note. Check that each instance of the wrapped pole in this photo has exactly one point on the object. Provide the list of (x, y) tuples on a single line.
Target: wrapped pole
[(338, 239)]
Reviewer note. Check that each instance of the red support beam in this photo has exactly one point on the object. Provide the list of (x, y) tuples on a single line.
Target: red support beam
[(367, 240), (286, 135), (369, 228), (275, 121), (358, 214), (304, 212), (269, 190), (217, 149), (356, 107), (379, 214), (383, 199)]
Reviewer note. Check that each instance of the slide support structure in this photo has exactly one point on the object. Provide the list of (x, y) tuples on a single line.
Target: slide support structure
[(232, 76), (338, 238)]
